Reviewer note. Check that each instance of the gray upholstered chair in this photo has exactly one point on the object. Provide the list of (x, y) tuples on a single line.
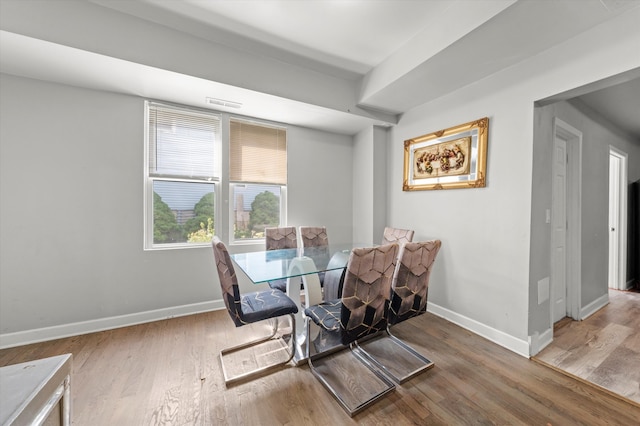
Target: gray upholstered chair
[(332, 280), (361, 312), (277, 238), (397, 235), (280, 237), (314, 236), (251, 308), (315, 243), (408, 299)]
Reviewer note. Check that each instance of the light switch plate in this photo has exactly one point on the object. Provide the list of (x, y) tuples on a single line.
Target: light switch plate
[(543, 290)]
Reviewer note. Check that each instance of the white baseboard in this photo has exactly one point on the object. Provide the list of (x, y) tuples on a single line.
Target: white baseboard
[(593, 307), (538, 342), (521, 347), (20, 338), (630, 284), (9, 340)]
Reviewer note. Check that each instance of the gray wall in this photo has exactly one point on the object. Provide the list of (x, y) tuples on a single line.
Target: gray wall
[(482, 278), (597, 136), (369, 185), (71, 210), (71, 213), (363, 189)]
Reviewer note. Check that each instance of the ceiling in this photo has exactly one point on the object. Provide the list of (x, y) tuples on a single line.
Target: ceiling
[(391, 53), (619, 104)]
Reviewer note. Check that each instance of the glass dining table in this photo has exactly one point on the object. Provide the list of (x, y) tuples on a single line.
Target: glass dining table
[(301, 267)]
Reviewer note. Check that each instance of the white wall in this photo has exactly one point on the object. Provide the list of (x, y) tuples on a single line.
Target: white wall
[(71, 213), (481, 278), (363, 189), (75, 268), (91, 27), (379, 182), (370, 177), (597, 136), (319, 188)]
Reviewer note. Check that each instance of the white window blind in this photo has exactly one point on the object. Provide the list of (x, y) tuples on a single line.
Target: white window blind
[(182, 144), (184, 147), (258, 153)]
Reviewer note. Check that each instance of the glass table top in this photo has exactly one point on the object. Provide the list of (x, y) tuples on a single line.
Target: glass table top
[(270, 265)]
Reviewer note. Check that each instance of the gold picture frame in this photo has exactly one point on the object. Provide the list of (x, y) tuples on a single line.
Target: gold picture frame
[(447, 159)]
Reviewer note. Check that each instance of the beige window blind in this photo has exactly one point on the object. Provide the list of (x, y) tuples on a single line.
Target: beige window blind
[(257, 153)]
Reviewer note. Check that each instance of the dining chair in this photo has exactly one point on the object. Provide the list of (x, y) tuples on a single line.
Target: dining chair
[(362, 311), (277, 238), (315, 243), (397, 235), (252, 308), (314, 236), (410, 287)]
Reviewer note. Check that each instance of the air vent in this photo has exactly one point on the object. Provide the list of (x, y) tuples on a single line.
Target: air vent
[(222, 102)]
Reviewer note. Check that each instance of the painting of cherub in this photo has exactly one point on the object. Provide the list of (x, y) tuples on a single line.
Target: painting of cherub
[(449, 158)]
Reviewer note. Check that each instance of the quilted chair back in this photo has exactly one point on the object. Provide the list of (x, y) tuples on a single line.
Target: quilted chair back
[(314, 236), (283, 237), (366, 291), (397, 235), (411, 280), (315, 243), (228, 281)]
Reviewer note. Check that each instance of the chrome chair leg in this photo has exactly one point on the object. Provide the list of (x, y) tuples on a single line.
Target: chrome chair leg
[(352, 408), (408, 365), (252, 373)]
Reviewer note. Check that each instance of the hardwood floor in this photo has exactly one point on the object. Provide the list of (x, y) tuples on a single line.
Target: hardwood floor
[(604, 349), (168, 373)]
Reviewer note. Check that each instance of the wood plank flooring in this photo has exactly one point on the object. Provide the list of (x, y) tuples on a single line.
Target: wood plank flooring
[(604, 349), (168, 373)]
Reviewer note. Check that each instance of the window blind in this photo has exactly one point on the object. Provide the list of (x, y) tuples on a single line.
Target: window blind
[(182, 143), (257, 153)]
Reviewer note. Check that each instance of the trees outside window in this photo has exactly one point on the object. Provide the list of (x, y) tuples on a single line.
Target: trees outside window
[(265, 211), (203, 211), (165, 225)]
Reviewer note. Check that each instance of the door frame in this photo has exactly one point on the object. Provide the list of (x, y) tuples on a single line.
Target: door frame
[(573, 137), (622, 217), (559, 221)]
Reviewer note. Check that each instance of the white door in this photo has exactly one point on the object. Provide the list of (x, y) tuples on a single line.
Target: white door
[(614, 191), (559, 231), (617, 218)]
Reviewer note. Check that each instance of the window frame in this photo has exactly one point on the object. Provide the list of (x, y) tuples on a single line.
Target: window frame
[(149, 180), (232, 184), (224, 189)]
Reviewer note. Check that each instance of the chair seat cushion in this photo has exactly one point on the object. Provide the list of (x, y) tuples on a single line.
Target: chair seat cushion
[(265, 304), (279, 285), (282, 285), (326, 314)]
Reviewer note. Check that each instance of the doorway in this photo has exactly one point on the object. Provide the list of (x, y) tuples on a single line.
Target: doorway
[(566, 223), (617, 219)]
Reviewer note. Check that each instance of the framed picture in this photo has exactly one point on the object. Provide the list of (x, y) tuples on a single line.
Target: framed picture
[(451, 158)]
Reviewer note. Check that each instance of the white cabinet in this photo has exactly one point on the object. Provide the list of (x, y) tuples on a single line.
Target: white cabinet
[(36, 392)]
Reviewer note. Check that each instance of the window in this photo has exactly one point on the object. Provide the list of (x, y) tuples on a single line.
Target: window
[(184, 174), (258, 177), (183, 162)]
